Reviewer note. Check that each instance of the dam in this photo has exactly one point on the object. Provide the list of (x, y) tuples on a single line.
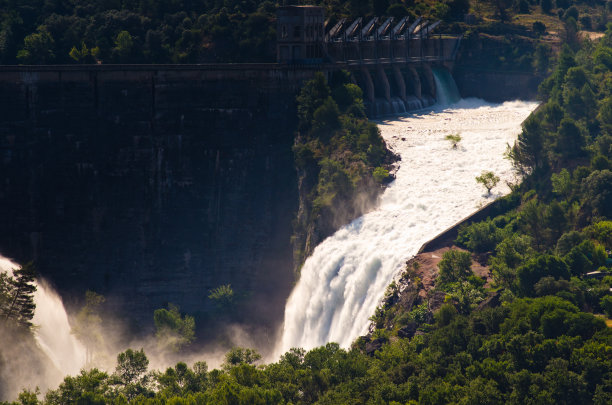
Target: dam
[(158, 183)]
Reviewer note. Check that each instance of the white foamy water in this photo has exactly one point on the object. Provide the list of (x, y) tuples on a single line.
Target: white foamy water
[(52, 329), (345, 278)]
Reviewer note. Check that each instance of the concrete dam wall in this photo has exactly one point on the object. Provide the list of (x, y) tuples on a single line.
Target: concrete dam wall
[(152, 184)]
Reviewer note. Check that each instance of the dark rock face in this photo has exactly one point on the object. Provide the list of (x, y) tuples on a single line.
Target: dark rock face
[(407, 331), (374, 345), (477, 71), (496, 86), (152, 185)]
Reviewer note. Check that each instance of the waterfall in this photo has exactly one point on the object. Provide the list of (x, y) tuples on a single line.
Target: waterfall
[(52, 329), (446, 88), (53, 333), (345, 278)]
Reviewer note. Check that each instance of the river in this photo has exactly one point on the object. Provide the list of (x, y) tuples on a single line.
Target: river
[(346, 276)]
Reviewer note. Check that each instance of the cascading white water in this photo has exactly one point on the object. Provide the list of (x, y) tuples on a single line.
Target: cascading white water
[(446, 88), (52, 330), (345, 278)]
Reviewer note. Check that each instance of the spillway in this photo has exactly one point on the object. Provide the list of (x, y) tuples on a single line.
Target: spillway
[(346, 276)]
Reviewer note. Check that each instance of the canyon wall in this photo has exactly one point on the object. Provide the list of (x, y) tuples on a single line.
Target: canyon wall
[(152, 184)]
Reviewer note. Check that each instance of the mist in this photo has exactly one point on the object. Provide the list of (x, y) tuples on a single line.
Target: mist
[(42, 359)]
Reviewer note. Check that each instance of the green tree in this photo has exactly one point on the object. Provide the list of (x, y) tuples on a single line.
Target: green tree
[(509, 254), (455, 266), (240, 355), (606, 305), (131, 373), (84, 54), (570, 140), (538, 267), (488, 180), (88, 324), (325, 118), (380, 174), (311, 97), (37, 48), (597, 191), (541, 59), (173, 331), (222, 295), (528, 151), (454, 139), (90, 387), (124, 46), (17, 297), (562, 183)]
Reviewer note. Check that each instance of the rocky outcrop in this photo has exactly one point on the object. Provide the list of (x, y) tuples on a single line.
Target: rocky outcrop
[(311, 227)]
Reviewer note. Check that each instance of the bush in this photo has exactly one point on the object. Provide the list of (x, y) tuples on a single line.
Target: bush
[(537, 268), (571, 12), (539, 27), (606, 305), (223, 295), (586, 22), (380, 174), (523, 7), (455, 266), (480, 237), (597, 189), (488, 180)]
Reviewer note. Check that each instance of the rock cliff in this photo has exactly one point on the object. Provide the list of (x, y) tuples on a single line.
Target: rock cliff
[(152, 184)]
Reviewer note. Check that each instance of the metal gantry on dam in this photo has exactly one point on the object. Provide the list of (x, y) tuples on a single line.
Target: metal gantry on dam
[(391, 60)]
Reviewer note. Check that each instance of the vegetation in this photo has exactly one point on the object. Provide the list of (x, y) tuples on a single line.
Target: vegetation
[(17, 298), (488, 179), (173, 331), (338, 153), (222, 295), (88, 324), (182, 31), (454, 139)]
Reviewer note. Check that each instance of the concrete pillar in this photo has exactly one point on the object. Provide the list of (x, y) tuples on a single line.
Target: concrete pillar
[(415, 80), (369, 85), (399, 80), (384, 82), (428, 76)]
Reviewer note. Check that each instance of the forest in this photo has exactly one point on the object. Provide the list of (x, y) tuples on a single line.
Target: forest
[(207, 31)]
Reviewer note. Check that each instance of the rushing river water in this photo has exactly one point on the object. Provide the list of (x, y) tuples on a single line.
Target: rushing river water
[(345, 278)]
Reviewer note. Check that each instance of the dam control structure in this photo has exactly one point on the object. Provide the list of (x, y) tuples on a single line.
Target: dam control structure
[(391, 60)]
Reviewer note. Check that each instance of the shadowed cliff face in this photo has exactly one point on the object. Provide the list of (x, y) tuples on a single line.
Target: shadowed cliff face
[(152, 186)]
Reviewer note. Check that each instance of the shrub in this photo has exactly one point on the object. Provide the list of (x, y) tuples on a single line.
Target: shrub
[(488, 180), (455, 266), (571, 12), (223, 295), (380, 174), (539, 27), (586, 22), (480, 237), (606, 305)]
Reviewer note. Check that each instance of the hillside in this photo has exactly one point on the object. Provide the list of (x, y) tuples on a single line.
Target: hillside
[(182, 31)]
